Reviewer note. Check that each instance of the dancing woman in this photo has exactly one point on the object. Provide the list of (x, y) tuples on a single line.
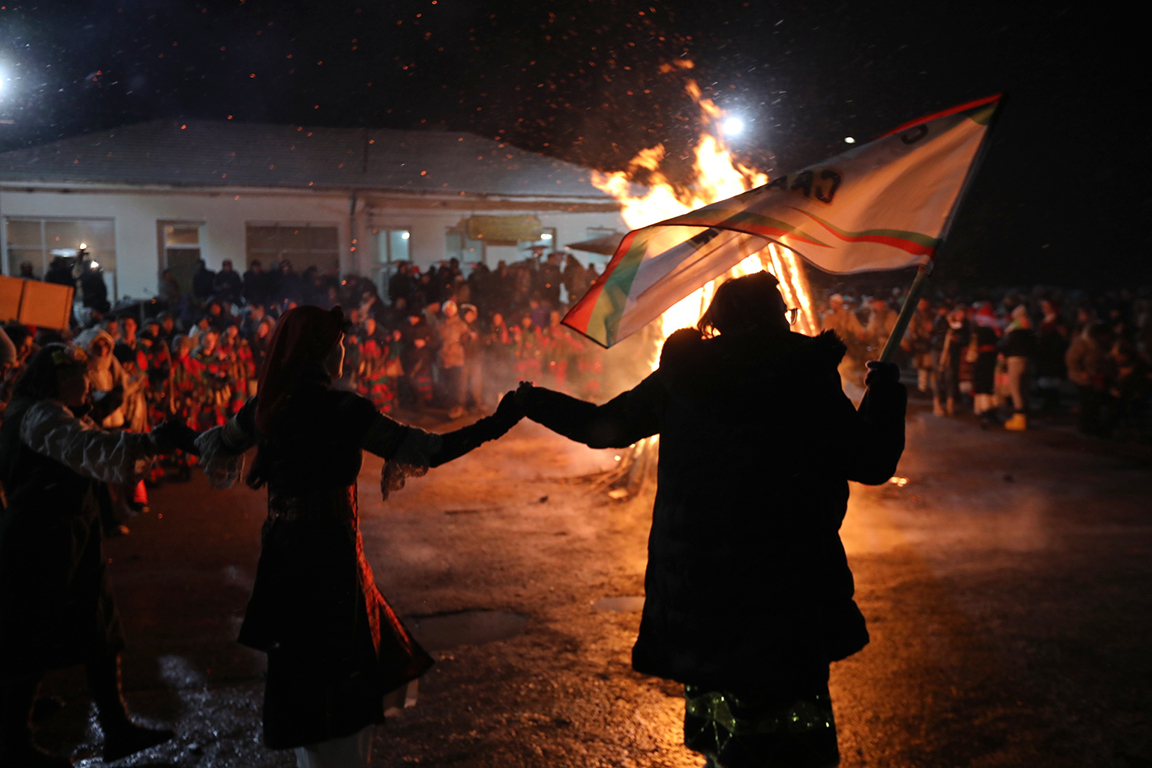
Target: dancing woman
[(56, 605), (748, 595), (335, 647)]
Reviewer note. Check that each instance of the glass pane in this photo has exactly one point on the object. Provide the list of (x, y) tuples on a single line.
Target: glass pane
[(180, 235), (262, 239), (24, 232), (62, 234), (293, 240), (99, 234), (454, 245), (34, 256), (398, 244)]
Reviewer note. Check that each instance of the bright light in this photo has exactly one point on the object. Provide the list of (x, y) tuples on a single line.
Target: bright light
[(849, 140), (83, 246), (733, 126), (95, 265), (546, 236), (405, 235)]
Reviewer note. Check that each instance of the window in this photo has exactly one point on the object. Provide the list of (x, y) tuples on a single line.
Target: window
[(305, 245), (180, 251), (39, 241), (463, 248), (391, 247)]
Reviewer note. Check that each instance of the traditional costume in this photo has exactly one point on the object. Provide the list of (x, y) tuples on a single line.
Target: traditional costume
[(335, 647)]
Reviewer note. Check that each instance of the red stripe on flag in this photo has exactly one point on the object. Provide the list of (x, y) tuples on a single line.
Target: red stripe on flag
[(580, 315), (945, 113)]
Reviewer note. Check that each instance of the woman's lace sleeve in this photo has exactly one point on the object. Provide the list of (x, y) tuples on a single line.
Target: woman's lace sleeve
[(222, 448), (52, 430), (407, 452)]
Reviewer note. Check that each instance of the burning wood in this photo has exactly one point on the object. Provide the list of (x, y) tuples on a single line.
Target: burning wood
[(716, 176)]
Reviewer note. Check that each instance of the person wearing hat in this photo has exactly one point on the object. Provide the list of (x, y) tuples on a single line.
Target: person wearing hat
[(453, 333), (56, 603), (748, 594), (336, 648)]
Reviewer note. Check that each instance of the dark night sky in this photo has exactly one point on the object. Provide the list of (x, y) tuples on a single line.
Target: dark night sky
[(1061, 198)]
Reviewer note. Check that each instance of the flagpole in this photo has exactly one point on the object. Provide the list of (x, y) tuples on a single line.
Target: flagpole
[(906, 311)]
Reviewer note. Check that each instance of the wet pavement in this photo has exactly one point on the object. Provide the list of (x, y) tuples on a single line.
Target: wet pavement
[(1006, 584)]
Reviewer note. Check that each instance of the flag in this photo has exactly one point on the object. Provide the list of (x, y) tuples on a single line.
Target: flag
[(882, 205)]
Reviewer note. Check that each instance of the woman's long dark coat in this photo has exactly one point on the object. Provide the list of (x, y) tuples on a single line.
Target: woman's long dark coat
[(334, 645), (747, 578)]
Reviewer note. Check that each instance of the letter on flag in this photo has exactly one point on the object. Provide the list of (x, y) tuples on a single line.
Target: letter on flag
[(882, 205)]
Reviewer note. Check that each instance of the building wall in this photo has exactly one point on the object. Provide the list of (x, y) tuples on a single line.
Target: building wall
[(225, 215)]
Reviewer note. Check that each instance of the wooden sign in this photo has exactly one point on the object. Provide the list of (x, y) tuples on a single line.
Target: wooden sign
[(31, 302), (504, 230), (46, 305), (11, 289)]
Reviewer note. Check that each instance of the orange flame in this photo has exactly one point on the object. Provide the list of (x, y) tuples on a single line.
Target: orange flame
[(717, 176)]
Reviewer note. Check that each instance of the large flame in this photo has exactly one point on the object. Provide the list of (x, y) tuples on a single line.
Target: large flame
[(717, 176)]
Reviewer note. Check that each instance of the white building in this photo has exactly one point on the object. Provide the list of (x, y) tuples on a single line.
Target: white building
[(165, 194)]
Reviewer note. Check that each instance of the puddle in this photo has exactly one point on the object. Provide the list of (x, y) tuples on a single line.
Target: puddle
[(619, 604), (441, 631)]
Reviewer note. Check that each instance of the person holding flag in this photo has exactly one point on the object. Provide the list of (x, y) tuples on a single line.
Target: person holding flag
[(748, 594)]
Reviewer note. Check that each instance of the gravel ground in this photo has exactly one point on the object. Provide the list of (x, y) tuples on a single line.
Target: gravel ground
[(1007, 588)]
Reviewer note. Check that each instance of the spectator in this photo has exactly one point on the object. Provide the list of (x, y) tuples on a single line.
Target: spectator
[(1085, 360), (1052, 344), (400, 284), (472, 387), (880, 324), (59, 272), (848, 328), (168, 289), (203, 282), (1017, 346), (985, 339), (227, 285), (957, 337), (256, 284), (453, 332), (918, 343)]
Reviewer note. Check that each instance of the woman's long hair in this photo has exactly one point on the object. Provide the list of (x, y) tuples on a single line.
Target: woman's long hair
[(301, 341), (744, 303)]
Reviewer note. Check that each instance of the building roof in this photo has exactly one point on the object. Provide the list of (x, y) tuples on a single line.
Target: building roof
[(201, 153)]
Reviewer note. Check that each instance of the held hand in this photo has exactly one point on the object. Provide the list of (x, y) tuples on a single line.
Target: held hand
[(523, 392), (510, 410), (174, 434), (882, 373)]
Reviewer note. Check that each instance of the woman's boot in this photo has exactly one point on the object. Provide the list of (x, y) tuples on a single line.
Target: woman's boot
[(122, 737), (16, 747)]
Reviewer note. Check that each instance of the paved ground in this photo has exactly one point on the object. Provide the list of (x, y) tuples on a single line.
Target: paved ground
[(1007, 588)]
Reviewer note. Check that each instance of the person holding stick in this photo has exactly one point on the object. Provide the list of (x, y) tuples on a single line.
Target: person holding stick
[(748, 591)]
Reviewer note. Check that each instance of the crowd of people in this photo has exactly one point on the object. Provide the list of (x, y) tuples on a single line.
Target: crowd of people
[(445, 341), (438, 342), (1040, 352)]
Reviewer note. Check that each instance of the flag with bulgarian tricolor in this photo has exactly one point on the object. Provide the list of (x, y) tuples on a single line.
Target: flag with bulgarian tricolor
[(882, 205)]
